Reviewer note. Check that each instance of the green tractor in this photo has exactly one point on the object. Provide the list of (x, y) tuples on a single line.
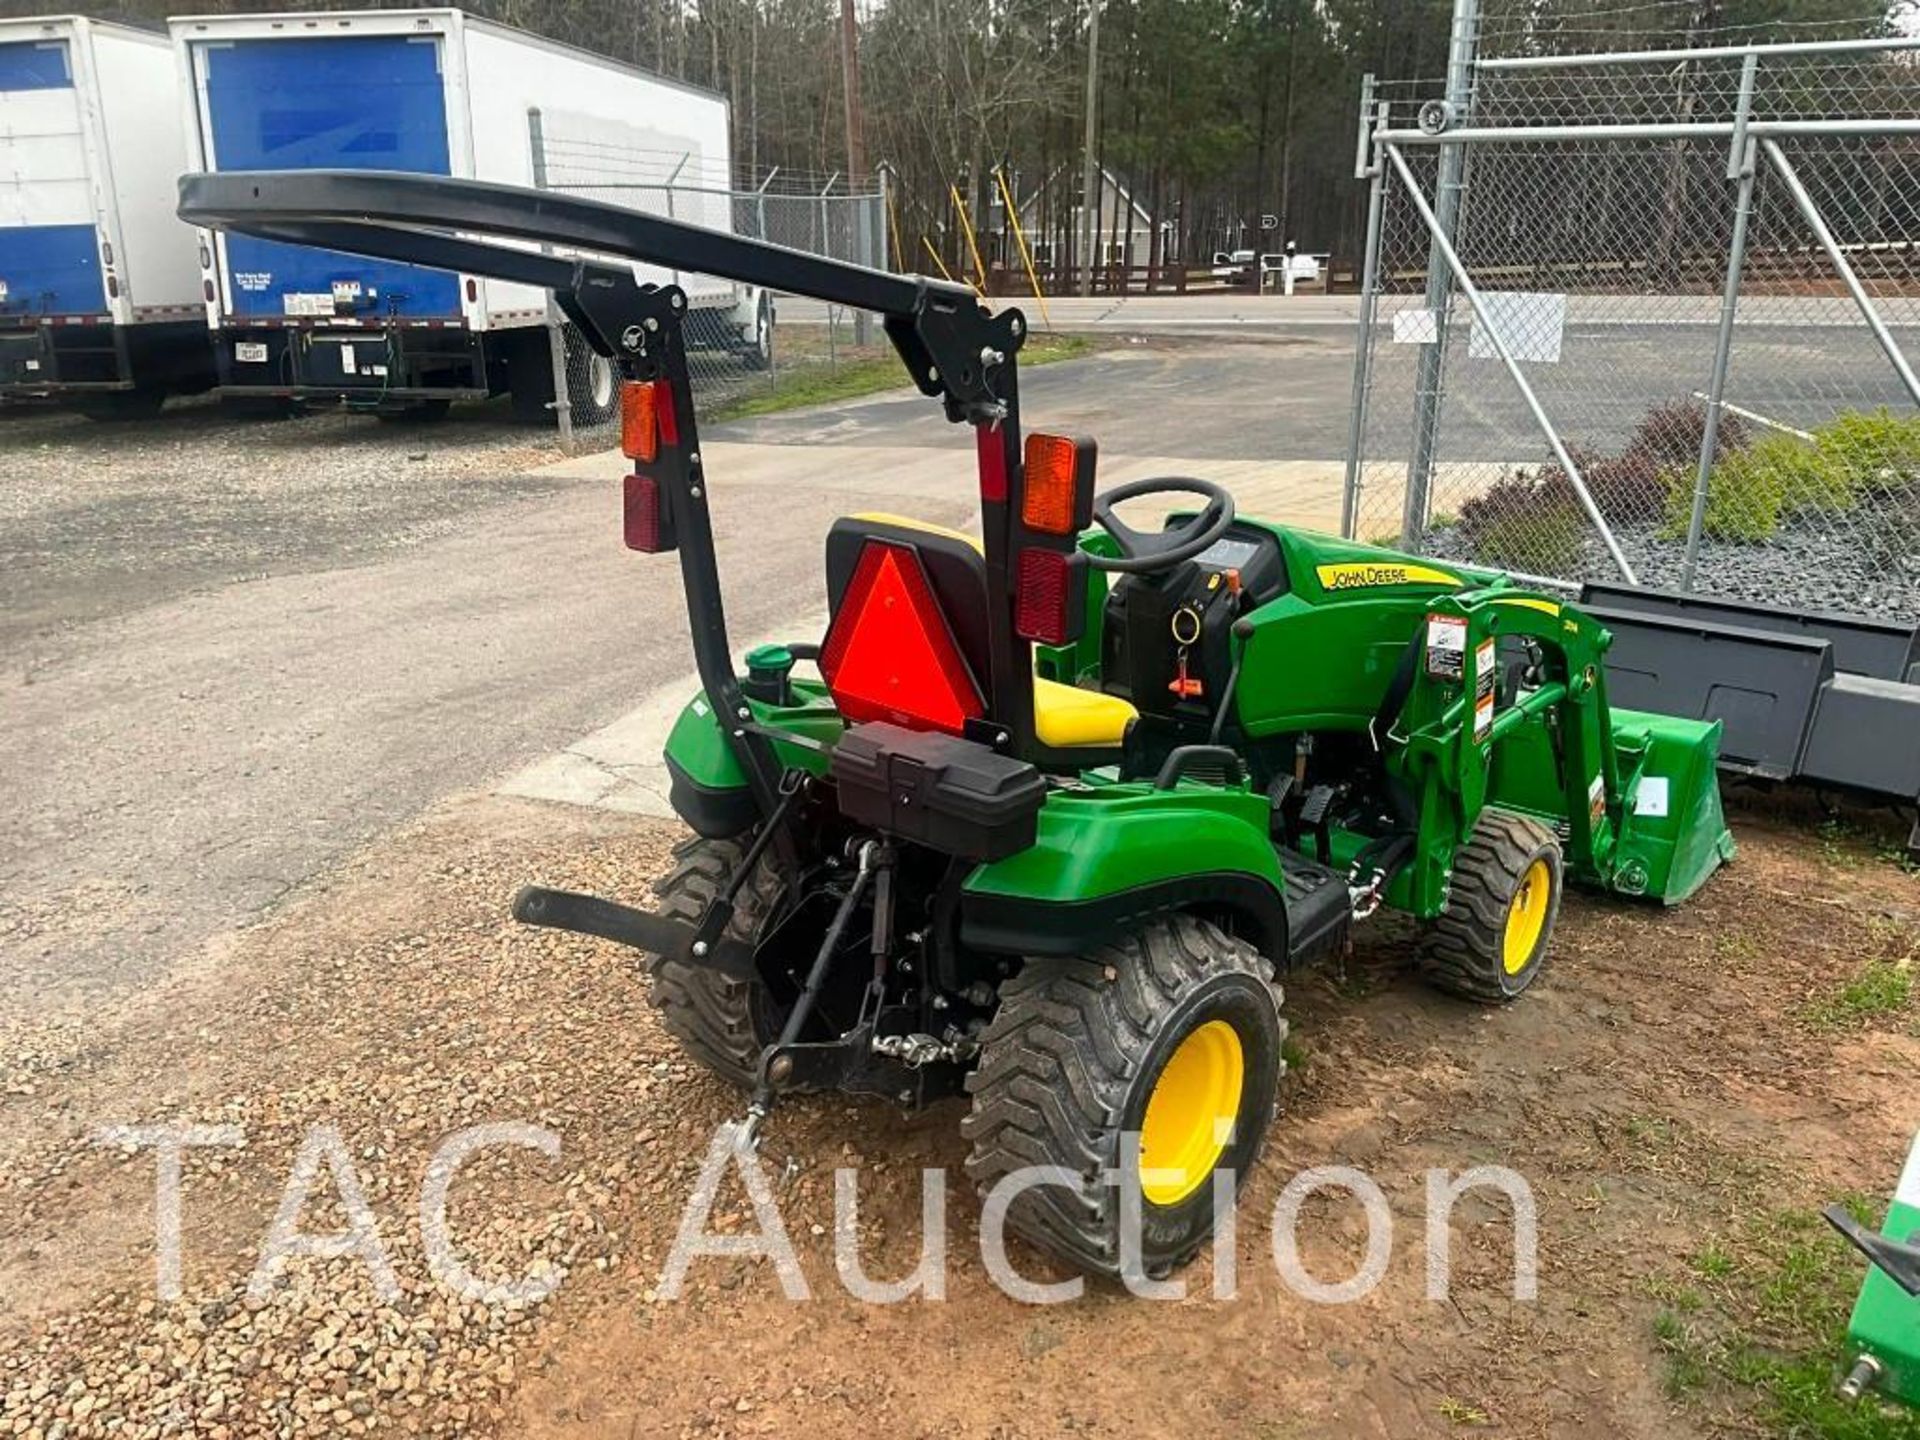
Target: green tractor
[(1059, 806), (1884, 1333)]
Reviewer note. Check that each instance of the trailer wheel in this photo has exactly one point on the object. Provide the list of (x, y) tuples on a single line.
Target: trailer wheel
[(1173, 1035), (593, 385), (756, 345), (721, 1022), (1487, 945)]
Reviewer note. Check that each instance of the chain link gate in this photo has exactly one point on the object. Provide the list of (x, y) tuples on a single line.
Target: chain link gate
[(740, 341), (1667, 334)]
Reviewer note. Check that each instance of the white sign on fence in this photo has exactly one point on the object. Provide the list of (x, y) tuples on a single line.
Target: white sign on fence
[(1529, 321), (1415, 327)]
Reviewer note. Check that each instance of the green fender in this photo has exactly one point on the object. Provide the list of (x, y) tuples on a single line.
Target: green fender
[(1111, 855), (709, 788)]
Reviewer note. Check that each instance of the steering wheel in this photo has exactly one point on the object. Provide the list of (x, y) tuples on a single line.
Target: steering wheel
[(1144, 554)]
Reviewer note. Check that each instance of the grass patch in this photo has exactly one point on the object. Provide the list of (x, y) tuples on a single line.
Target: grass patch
[(1759, 1328), (805, 377), (1461, 1412), (1881, 987)]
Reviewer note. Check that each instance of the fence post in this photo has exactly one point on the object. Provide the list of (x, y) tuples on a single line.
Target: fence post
[(1371, 168), (1741, 167), (1448, 189), (556, 342)]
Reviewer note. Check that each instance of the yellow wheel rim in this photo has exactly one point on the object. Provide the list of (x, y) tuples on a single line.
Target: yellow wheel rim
[(1191, 1112), (1527, 916)]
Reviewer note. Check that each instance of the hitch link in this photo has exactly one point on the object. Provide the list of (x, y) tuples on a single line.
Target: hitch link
[(748, 1133)]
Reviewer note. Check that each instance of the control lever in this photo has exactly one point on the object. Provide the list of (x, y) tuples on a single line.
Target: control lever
[(1242, 630)]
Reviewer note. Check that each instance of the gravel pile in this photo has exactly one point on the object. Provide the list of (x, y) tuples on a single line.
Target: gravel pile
[(1801, 568)]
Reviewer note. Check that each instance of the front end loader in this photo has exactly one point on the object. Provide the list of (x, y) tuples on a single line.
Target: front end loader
[(1047, 814)]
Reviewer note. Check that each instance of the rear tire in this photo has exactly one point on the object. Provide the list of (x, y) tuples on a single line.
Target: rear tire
[(1074, 1061), (1488, 944), (721, 1022)]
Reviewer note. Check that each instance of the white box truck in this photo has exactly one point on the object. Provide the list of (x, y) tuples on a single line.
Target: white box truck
[(100, 299), (434, 92)]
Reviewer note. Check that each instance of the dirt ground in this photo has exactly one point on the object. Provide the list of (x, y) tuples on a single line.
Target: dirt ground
[(1674, 1084)]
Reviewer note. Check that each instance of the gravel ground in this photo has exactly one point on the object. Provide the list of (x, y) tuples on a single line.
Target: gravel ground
[(97, 520), (1803, 567)]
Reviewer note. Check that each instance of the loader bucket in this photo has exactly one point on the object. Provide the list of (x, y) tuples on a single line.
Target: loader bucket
[(1673, 834)]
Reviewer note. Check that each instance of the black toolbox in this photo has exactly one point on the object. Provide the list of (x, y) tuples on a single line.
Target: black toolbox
[(952, 795)]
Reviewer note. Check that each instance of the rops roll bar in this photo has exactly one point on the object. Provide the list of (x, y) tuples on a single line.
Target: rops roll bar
[(953, 346)]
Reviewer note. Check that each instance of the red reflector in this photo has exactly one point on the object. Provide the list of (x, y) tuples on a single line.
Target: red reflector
[(991, 446), (663, 413), (644, 515), (890, 654), (1043, 597)]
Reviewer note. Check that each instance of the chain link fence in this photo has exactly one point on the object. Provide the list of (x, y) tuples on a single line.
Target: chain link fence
[(742, 342), (1704, 274)]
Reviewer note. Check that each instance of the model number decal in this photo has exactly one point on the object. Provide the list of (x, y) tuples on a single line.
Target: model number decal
[(1369, 575)]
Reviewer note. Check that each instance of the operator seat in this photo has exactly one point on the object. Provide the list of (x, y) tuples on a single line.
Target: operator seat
[(1065, 717)]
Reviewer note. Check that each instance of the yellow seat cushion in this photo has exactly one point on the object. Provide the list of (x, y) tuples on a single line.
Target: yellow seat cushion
[(1064, 716)]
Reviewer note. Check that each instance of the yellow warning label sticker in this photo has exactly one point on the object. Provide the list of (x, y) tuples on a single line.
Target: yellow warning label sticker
[(1372, 575)]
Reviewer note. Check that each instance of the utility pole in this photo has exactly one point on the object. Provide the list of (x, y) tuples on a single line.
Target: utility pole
[(1089, 186), (856, 135)]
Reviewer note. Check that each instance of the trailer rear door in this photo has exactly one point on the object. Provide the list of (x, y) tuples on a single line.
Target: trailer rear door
[(49, 251), (364, 102)]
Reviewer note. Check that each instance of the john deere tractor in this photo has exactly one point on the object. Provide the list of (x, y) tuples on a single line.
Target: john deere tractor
[(1049, 811)]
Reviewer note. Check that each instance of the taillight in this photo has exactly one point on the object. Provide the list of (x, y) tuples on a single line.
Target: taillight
[(647, 525), (1049, 598), (113, 286), (990, 445), (1056, 495), (646, 418), (473, 290), (206, 289)]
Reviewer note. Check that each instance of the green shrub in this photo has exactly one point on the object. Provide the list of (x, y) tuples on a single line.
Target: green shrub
[(1872, 450), (1752, 489), (1546, 536)]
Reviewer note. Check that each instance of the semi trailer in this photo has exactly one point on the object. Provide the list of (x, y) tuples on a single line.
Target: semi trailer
[(435, 92), (100, 300)]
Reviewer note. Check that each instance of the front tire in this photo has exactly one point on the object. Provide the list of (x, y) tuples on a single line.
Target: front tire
[(1488, 944), (721, 1022), (1172, 1034)]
